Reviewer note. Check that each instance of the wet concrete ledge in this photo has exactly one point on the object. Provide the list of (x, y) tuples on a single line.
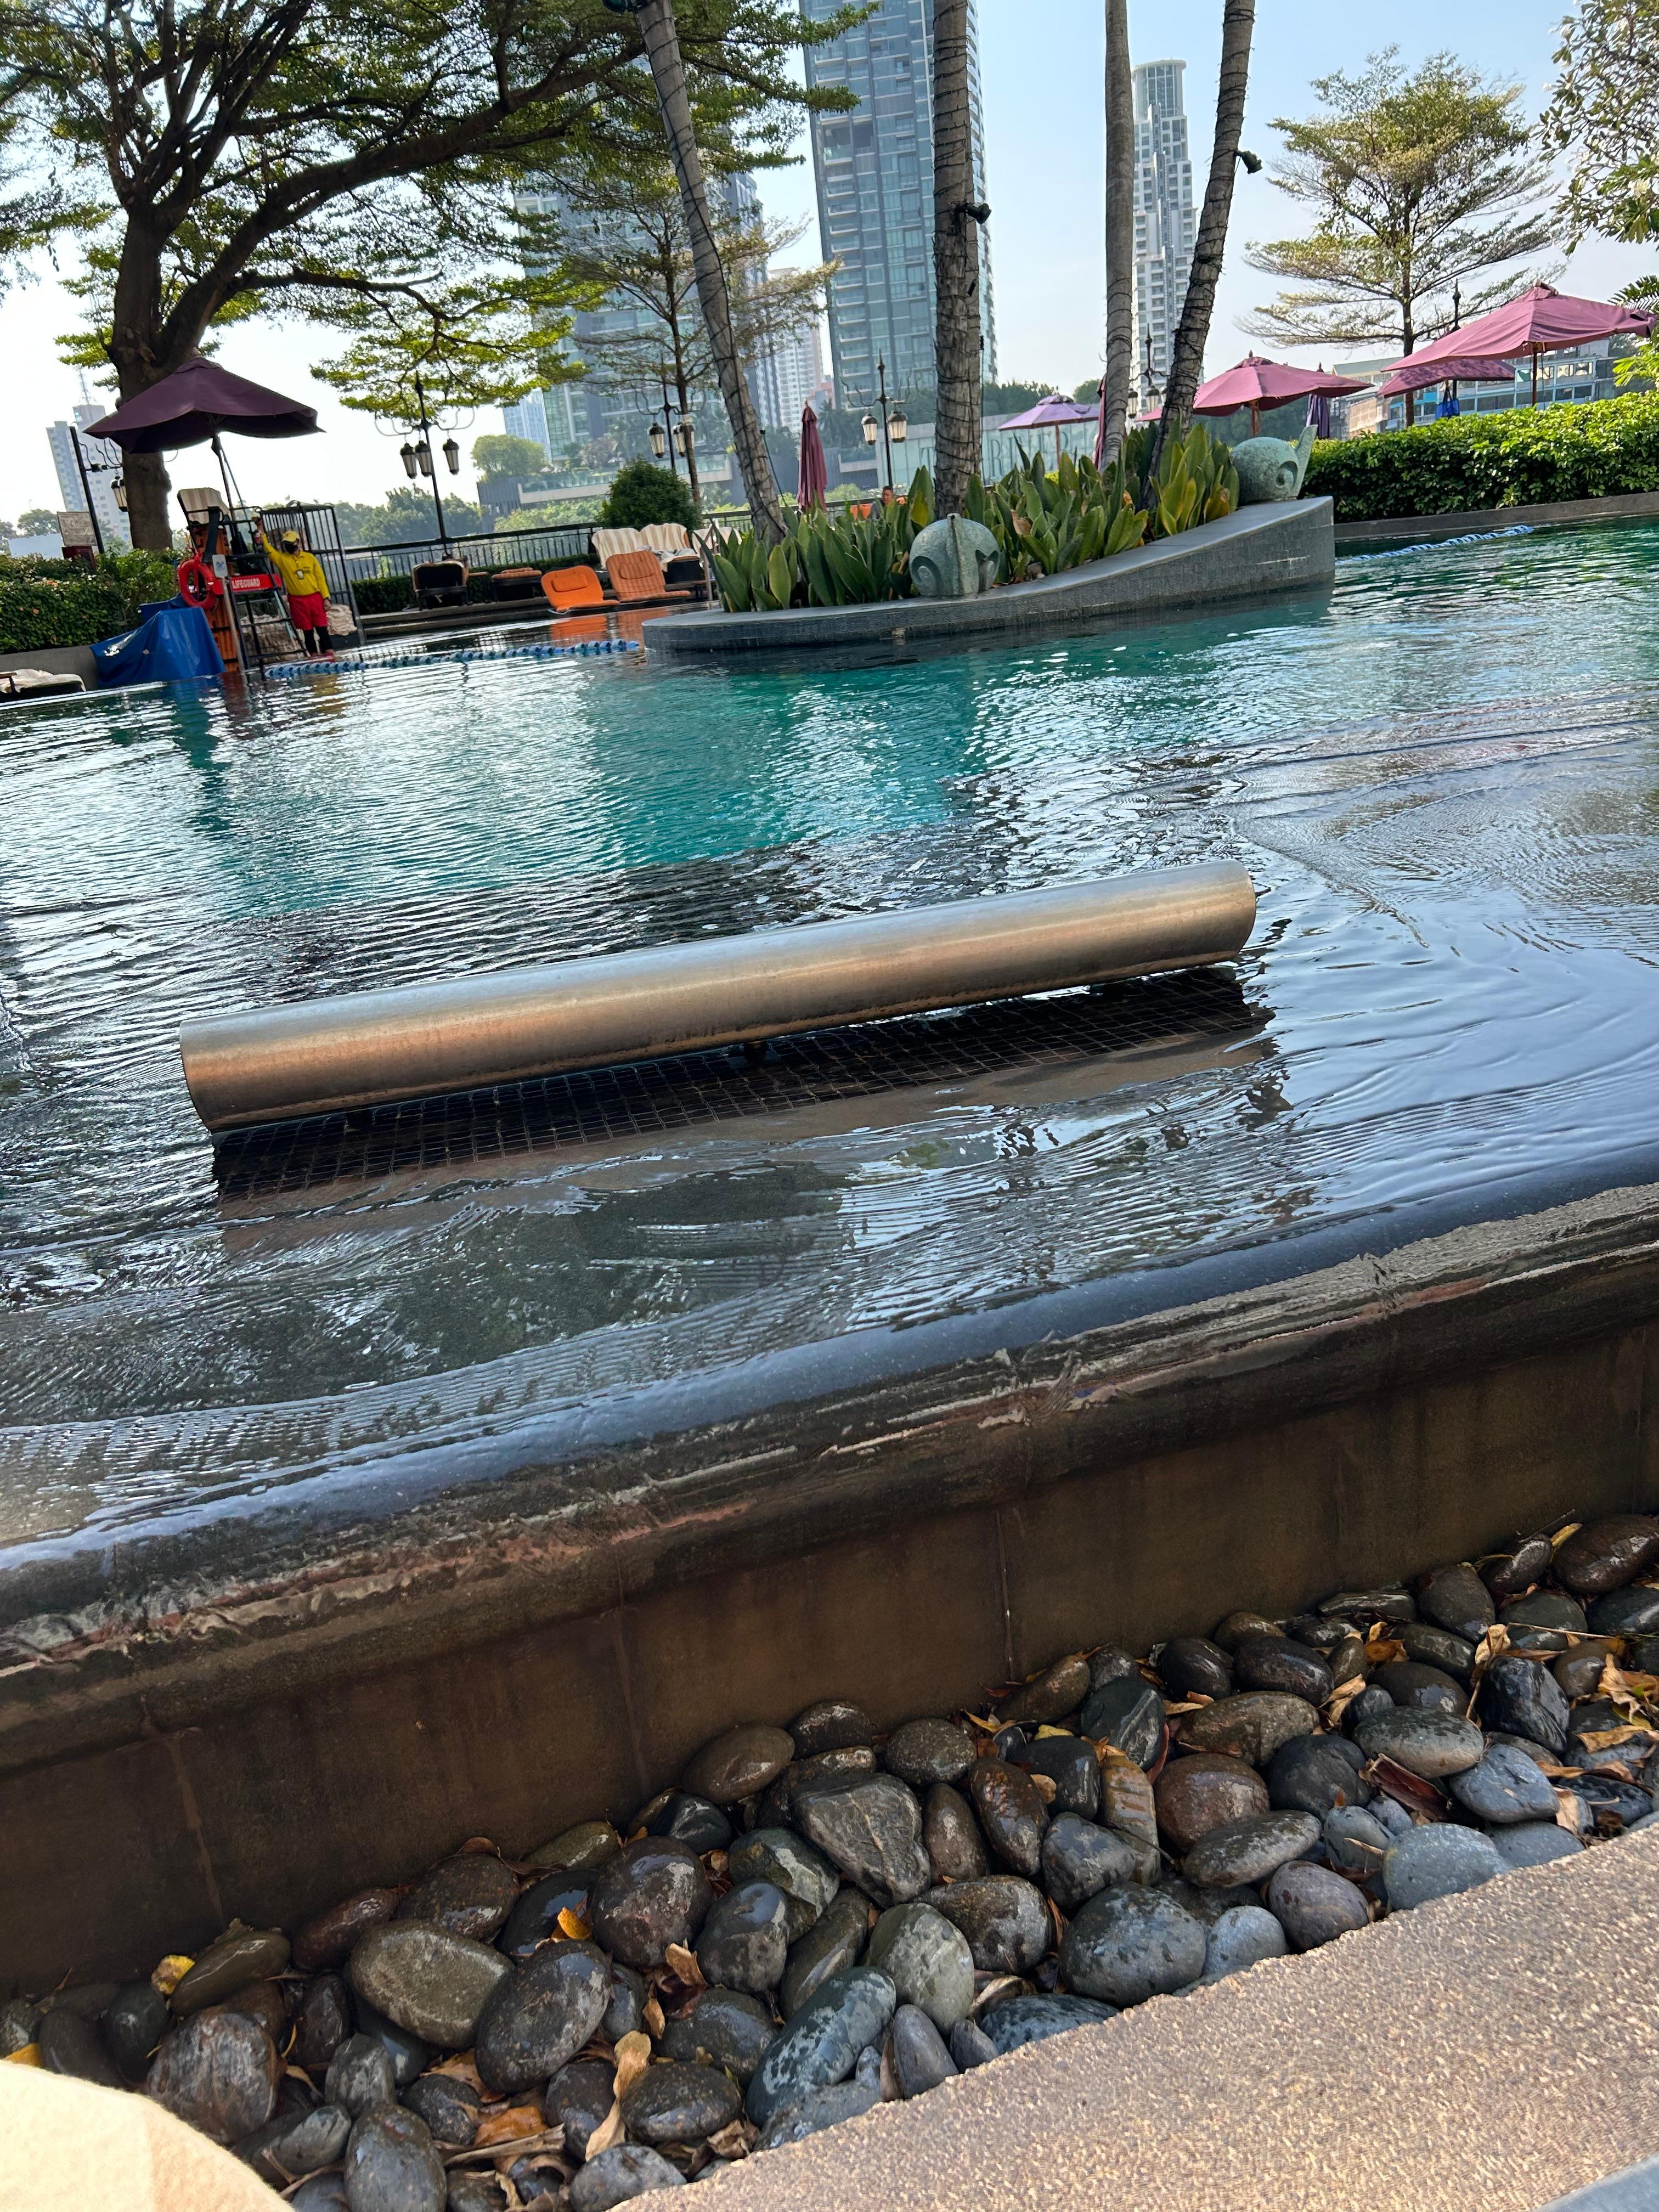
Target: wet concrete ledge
[(1392, 530), (1493, 2050), (507, 1657), (1285, 546)]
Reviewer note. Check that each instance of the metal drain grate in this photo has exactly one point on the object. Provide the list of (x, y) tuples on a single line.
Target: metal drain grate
[(654, 1097)]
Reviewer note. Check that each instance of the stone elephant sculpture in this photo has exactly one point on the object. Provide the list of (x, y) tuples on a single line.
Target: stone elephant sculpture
[(954, 559), (1272, 468)]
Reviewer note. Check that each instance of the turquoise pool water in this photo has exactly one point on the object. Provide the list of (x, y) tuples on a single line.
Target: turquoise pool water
[(1444, 775)]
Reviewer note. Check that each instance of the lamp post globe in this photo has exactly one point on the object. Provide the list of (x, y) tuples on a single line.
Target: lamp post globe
[(452, 457), (898, 424), (872, 428), (406, 454), (658, 440), (685, 435)]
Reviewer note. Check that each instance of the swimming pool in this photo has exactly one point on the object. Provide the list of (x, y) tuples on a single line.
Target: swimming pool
[(1442, 774)]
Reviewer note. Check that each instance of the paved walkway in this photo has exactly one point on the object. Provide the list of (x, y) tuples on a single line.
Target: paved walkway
[(1496, 2050)]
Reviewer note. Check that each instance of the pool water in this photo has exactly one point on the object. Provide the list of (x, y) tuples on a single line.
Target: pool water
[(1443, 775)]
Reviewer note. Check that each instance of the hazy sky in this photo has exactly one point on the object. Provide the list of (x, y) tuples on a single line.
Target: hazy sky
[(1041, 71)]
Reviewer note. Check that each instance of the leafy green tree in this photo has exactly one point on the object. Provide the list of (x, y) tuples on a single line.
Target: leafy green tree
[(36, 521), (495, 454), (235, 156), (641, 493), (1641, 366), (1604, 117), (1415, 183)]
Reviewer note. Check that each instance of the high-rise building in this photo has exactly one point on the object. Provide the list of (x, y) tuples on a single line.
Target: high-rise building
[(1166, 222), (874, 168), (103, 460), (790, 375)]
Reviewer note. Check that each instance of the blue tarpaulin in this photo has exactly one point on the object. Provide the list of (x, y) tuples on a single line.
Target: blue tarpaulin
[(172, 645)]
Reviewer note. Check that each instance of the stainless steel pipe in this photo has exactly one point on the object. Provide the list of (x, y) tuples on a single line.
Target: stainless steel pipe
[(277, 1063)]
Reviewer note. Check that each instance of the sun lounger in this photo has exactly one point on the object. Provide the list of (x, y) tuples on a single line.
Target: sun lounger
[(439, 583), (637, 579), (607, 544), (577, 586)]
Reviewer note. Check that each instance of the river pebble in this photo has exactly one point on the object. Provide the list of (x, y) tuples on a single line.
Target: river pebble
[(927, 1958), (219, 2071), (924, 1752), (653, 1893), (1129, 1943), (872, 1831), (744, 1943), (822, 2043), (1436, 1861), (626, 2171), (679, 2103), (1240, 1938), (542, 2014), (1314, 1905), (432, 1983), (921, 2057)]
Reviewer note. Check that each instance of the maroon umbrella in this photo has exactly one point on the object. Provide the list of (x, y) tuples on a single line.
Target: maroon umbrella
[(195, 404), (814, 479)]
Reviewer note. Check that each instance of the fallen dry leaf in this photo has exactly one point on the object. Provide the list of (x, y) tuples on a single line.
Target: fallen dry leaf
[(1048, 1730), (717, 1862), (1340, 1698), (1604, 1739), (653, 2019), (28, 2056), (733, 2141), (1405, 1788), (991, 1728), (1566, 1811), (1562, 1534), (685, 1967), (460, 2068), (171, 1972), (574, 1925), (633, 2056), (1383, 1650), (608, 2133), (999, 1985), (478, 1845), (507, 2124), (1044, 1785)]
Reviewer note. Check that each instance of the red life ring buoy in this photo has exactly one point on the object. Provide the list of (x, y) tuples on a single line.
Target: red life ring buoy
[(197, 582)]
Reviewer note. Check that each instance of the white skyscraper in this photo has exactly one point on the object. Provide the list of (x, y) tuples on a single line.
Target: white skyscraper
[(102, 460), (793, 373), (1166, 222)]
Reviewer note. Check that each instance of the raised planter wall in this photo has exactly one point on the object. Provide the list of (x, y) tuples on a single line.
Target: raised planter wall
[(254, 1744)]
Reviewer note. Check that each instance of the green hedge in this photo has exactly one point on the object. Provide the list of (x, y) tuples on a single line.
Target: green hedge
[(1522, 457), (47, 603)]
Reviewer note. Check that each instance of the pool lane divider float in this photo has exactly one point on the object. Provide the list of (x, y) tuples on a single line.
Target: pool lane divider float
[(273, 1064), (352, 662)]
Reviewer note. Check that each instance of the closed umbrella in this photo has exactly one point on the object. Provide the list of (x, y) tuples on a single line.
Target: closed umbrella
[(1543, 320), (813, 481), (1256, 382)]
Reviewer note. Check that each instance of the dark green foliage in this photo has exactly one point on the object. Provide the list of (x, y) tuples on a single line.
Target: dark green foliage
[(641, 493), (1523, 457), (47, 602)]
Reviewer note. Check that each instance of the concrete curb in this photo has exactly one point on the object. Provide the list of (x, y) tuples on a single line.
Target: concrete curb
[(1496, 2049), (1623, 506), (1285, 546)]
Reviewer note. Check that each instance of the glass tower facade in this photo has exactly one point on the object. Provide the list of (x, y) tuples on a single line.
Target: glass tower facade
[(874, 170), (1166, 222)]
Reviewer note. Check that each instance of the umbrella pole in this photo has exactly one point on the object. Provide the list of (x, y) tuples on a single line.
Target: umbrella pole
[(1255, 418), (1534, 376)]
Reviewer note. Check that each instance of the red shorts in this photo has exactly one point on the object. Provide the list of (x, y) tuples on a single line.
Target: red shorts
[(308, 610)]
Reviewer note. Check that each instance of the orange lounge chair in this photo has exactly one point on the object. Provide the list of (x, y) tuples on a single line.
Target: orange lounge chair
[(637, 579), (567, 588)]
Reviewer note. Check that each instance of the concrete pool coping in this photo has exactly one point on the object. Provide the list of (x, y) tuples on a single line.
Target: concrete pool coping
[(1487, 2049), (1283, 546), (1620, 506), (603, 1611)]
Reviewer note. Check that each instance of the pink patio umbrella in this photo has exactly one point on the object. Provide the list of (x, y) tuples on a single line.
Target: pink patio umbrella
[(1256, 382), (1415, 372), (1050, 414), (1543, 320), (813, 481)]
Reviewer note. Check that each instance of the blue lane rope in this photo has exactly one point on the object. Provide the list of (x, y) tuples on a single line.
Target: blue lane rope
[(1439, 544), (353, 662)]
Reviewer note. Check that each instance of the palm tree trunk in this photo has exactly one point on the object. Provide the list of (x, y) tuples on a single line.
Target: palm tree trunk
[(662, 47), (955, 263), (1120, 226), (1192, 332)]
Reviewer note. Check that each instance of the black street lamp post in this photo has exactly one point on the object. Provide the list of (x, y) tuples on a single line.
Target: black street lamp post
[(418, 459), (894, 427)]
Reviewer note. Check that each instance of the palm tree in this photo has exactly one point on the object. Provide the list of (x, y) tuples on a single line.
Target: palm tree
[(957, 217), (662, 47), (1187, 357), (1120, 225)]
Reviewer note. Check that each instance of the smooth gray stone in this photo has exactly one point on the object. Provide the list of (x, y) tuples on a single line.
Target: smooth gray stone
[(724, 2027), (817, 2110), (229, 1963), (20, 2024), (927, 1960), (1605, 1555), (71, 2045), (868, 2068), (133, 2024), (832, 1724), (1242, 1938), (1539, 1753), (679, 2102), (1069, 1762), (1519, 1696), (1128, 1713), (1356, 1841), (1012, 1814), (218, 2070), (1193, 1662), (821, 2044), (1275, 1663), (408, 2054), (323, 2021), (325, 2192), (653, 1893), (970, 2046), (625, 2013), (432, 1983), (690, 1821), (744, 1943), (625, 2170), (1019, 2021), (1429, 1743), (1248, 1851), (836, 1941), (738, 1764), (1004, 1919), (1080, 1858), (1535, 1843), (951, 1837), (1314, 1905), (1049, 1696), (390, 2164), (1389, 1814), (1312, 1773), (579, 1849), (579, 2099), (1364, 1606), (361, 2075), (873, 1832), (535, 1918), (1438, 1647), (1129, 1943), (1546, 1609), (921, 2060), (539, 2018), (1506, 1573), (1251, 1725), (924, 1752), (1436, 1861), (1505, 1789), (1205, 1905), (1418, 1688), (1238, 1627), (790, 1863), (1633, 1611), (297, 2144), (1370, 1701), (1111, 1663), (470, 1895), (1456, 1600), (448, 2106)]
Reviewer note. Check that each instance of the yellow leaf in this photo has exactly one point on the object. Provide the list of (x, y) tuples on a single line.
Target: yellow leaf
[(1604, 1739), (1046, 1731), (684, 1964), (653, 2017), (1562, 1534), (1044, 1786), (171, 1972), (573, 1924), (28, 2056), (633, 2056)]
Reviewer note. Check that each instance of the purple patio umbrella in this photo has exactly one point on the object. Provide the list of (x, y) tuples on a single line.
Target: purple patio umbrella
[(194, 405), (1050, 414), (814, 479)]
